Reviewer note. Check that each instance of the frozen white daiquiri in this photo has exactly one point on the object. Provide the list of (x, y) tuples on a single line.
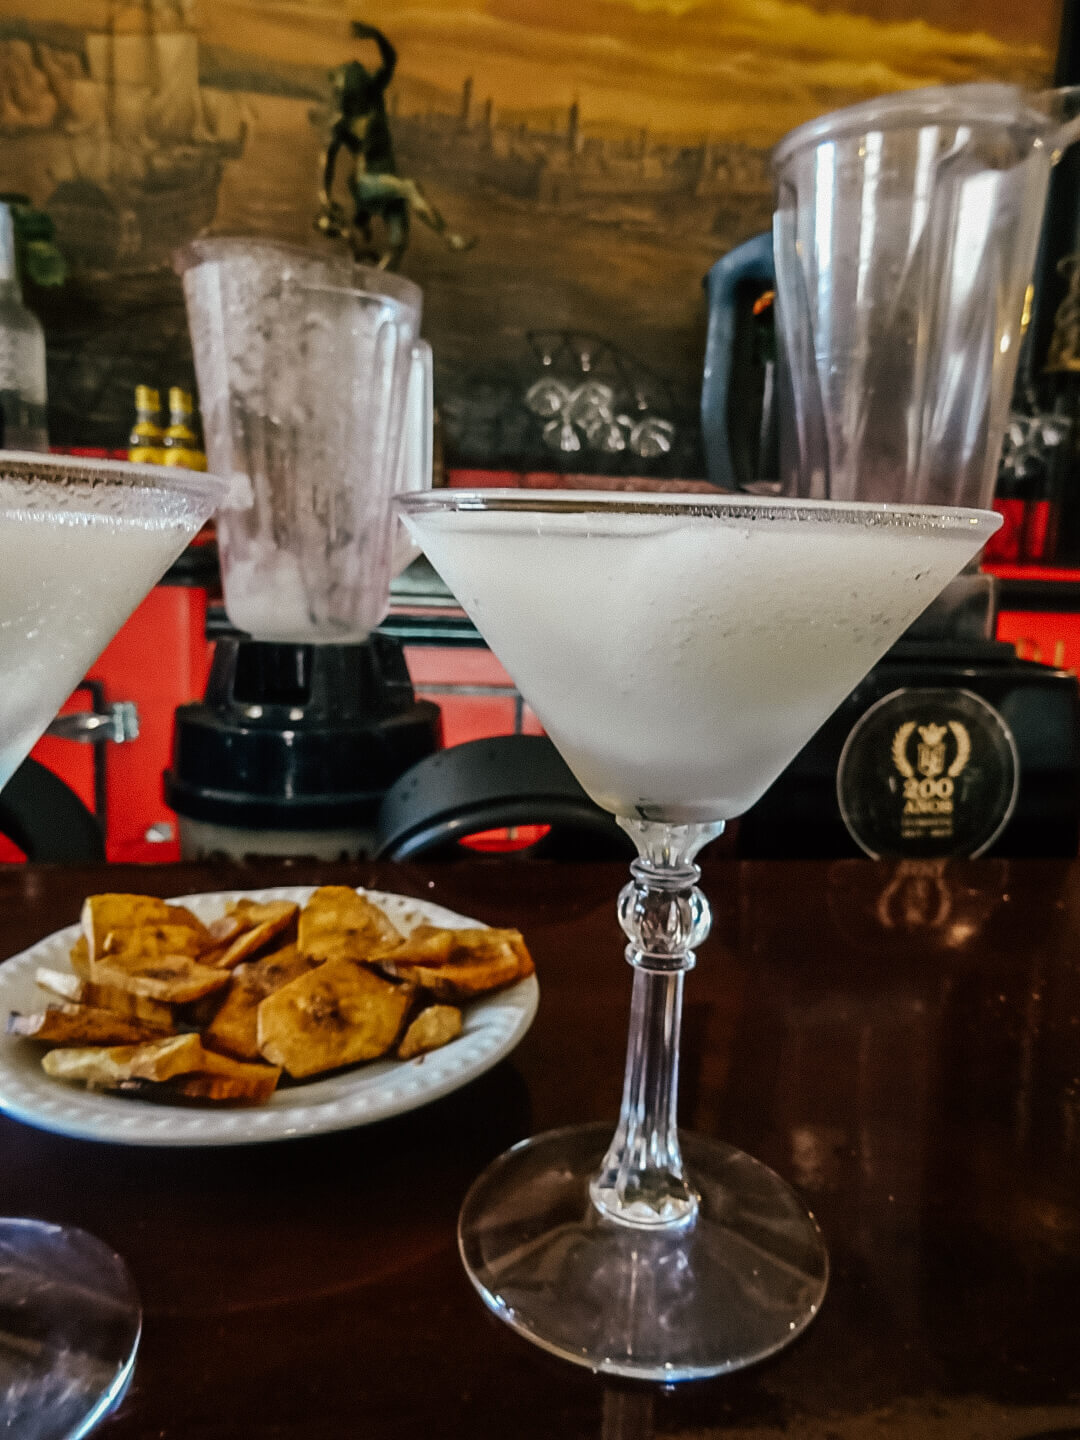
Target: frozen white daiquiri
[(81, 543), (679, 650)]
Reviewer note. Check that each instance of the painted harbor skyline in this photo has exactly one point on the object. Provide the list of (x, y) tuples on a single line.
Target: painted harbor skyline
[(602, 154)]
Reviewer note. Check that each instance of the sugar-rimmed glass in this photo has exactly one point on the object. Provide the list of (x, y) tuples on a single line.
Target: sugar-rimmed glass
[(81, 543), (679, 650)]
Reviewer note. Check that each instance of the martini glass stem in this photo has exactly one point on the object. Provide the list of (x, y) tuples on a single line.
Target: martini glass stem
[(664, 916)]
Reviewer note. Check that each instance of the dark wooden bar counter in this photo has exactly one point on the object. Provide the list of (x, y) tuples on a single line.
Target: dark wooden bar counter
[(902, 1043)]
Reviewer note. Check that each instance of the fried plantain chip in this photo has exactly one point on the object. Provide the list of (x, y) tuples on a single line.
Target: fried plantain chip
[(80, 1025), (157, 960), (453, 984), (250, 1089), (80, 958), (425, 945), (195, 1089), (234, 1028), (338, 923), (175, 979), (219, 1080), (225, 930), (261, 1078), (455, 965), (431, 945), (103, 1067), (212, 957), (62, 984), (102, 914), (152, 1013), (164, 939), (270, 921), (181, 915), (260, 912), (181, 1061), (336, 1015), (433, 1027)]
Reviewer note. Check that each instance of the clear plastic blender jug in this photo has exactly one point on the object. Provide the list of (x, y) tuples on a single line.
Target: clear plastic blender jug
[(316, 402), (904, 242)]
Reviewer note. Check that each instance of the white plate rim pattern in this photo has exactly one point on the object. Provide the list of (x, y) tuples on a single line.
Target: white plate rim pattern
[(493, 1026)]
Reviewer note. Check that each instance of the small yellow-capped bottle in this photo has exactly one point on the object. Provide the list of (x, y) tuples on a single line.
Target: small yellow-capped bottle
[(145, 443), (181, 442)]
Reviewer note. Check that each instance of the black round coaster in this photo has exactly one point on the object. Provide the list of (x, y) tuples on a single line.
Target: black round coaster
[(928, 774)]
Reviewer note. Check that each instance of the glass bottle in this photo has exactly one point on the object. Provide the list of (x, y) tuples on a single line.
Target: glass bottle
[(181, 444), (22, 355), (145, 443)]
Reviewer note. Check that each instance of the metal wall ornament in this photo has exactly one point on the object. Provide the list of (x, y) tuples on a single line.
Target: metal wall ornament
[(379, 195)]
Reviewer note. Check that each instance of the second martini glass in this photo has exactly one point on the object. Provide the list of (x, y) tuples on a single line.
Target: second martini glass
[(679, 650), (81, 543)]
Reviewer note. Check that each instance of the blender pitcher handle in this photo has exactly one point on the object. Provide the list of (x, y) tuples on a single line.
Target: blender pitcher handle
[(415, 453), (753, 260), (1063, 104)]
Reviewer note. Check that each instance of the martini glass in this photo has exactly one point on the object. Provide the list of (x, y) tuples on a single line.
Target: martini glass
[(679, 651), (81, 543)]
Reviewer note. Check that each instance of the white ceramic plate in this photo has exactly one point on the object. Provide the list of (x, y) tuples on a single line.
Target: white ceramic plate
[(492, 1027)]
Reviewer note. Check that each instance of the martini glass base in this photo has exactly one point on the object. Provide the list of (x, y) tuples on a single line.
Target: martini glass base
[(738, 1283), (70, 1322)]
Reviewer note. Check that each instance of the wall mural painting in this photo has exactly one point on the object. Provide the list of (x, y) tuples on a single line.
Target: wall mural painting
[(557, 174)]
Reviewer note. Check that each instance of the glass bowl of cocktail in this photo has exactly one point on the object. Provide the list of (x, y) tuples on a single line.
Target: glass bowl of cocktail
[(679, 650), (81, 543)]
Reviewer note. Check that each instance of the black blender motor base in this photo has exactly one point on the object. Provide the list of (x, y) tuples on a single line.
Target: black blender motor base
[(296, 742)]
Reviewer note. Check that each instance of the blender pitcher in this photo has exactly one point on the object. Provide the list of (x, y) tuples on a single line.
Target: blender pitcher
[(312, 382), (904, 242)]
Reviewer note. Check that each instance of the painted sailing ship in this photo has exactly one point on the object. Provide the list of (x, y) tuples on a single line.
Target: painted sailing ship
[(146, 142)]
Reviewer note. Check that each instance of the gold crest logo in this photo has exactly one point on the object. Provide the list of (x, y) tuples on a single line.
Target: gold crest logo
[(927, 772), (929, 783), (931, 756)]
